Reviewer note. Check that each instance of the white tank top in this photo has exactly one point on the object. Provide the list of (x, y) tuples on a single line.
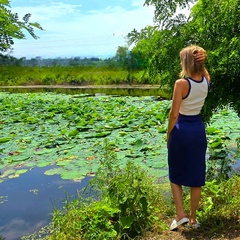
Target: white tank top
[(193, 102)]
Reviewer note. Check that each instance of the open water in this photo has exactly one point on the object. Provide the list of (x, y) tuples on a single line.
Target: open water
[(29, 200)]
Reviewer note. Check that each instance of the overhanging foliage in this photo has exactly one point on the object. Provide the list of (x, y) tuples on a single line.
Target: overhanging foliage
[(212, 24), (12, 27)]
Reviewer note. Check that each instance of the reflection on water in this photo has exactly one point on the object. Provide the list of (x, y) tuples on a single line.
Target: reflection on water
[(31, 199), (236, 166)]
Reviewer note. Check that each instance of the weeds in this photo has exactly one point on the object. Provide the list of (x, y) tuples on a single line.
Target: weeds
[(126, 205), (220, 201)]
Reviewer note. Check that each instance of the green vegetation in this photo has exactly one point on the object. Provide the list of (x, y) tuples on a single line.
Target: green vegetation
[(11, 27), (68, 131), (154, 58), (220, 200), (128, 203), (214, 25), (124, 68), (41, 129), (221, 133), (121, 141), (73, 75)]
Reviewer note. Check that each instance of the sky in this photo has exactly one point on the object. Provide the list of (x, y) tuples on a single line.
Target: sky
[(80, 28)]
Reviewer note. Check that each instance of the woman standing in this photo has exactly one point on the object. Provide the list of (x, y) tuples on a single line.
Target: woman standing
[(186, 135)]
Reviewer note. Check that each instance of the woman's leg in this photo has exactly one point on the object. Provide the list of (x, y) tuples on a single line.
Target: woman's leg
[(177, 196), (195, 198)]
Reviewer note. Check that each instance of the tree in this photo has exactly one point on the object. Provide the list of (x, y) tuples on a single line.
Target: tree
[(143, 52), (163, 41), (215, 25), (12, 27), (122, 56), (6, 60), (212, 24)]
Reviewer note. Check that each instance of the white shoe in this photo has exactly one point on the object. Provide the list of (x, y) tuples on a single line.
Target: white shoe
[(175, 224), (195, 225)]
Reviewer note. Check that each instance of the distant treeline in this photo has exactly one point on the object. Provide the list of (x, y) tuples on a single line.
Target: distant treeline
[(123, 59), (7, 60)]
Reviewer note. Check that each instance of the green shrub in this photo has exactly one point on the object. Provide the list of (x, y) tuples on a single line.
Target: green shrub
[(220, 201), (132, 191), (84, 221), (124, 204)]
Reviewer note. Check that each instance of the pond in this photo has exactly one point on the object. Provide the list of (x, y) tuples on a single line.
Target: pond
[(51, 141), (27, 201)]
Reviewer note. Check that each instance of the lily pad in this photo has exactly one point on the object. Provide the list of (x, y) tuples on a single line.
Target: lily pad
[(52, 171), (45, 128)]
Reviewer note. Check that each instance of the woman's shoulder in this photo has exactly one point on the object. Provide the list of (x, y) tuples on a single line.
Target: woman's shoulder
[(182, 82), (182, 85)]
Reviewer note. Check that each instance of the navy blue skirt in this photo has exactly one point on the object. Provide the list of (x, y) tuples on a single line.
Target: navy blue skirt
[(187, 152)]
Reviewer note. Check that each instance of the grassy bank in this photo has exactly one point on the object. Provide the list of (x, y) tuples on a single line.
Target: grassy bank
[(19, 75)]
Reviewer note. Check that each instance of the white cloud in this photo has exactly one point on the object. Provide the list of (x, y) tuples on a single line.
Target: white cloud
[(17, 227), (47, 12)]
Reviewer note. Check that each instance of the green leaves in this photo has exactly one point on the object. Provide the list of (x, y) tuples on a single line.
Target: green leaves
[(214, 25), (4, 2), (67, 131), (12, 27), (131, 190), (126, 222), (222, 145), (5, 139)]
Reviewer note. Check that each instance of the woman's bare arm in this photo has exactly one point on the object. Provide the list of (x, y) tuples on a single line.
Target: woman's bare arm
[(180, 88)]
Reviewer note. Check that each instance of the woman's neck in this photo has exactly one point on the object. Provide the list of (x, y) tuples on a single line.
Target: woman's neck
[(197, 77)]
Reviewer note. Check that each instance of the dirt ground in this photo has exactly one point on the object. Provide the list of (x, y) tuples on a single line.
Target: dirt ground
[(231, 231)]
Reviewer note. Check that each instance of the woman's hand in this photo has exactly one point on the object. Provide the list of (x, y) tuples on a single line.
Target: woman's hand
[(200, 56)]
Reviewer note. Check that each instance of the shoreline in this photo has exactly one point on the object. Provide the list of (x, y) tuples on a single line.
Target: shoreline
[(121, 86)]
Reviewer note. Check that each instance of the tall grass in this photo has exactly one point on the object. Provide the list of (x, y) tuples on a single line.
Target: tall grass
[(19, 75)]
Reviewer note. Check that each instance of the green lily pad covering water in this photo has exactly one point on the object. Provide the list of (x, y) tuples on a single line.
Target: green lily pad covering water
[(68, 132)]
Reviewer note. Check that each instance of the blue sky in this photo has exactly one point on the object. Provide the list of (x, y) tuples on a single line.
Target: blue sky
[(82, 28)]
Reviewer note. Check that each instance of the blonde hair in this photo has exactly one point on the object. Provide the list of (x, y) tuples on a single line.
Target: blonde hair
[(190, 65)]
